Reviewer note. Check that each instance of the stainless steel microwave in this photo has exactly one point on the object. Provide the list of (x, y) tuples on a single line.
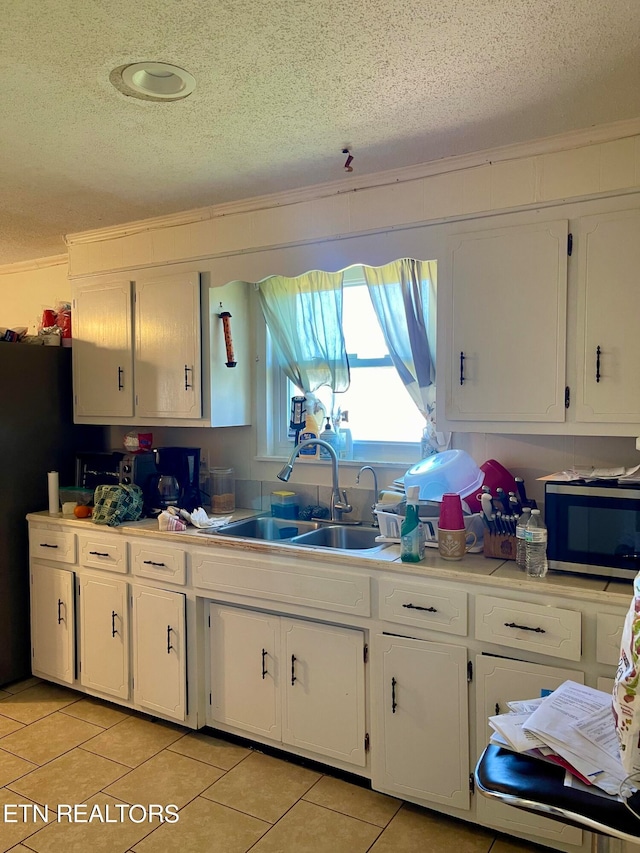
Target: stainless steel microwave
[(593, 528)]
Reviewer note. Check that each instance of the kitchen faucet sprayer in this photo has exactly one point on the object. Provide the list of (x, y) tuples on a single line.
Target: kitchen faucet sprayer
[(339, 503)]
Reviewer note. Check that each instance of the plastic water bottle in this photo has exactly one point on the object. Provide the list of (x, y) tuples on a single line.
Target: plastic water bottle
[(535, 535), (521, 524)]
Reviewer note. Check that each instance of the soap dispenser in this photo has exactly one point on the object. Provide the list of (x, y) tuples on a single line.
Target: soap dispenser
[(329, 435)]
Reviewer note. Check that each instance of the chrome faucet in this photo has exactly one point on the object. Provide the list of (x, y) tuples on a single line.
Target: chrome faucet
[(339, 503), (375, 489)]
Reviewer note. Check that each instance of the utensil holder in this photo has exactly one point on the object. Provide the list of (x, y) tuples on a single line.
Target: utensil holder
[(499, 546)]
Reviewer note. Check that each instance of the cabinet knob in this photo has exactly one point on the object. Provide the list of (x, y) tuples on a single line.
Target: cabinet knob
[(169, 646), (462, 367), (264, 663), (598, 354), (60, 603), (113, 623), (293, 669), (120, 379), (394, 704)]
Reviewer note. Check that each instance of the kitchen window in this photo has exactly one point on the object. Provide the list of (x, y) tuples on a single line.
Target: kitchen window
[(385, 422)]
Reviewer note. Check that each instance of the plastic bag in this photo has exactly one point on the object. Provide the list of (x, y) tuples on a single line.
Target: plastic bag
[(626, 699)]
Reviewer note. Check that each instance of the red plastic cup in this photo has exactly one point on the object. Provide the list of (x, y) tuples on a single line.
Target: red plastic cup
[(451, 517)]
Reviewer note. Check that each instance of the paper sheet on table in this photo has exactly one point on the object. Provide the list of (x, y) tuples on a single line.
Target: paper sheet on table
[(591, 473), (555, 723), (525, 706), (509, 726)]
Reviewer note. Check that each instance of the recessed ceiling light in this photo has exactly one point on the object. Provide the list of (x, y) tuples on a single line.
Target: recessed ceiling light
[(153, 81)]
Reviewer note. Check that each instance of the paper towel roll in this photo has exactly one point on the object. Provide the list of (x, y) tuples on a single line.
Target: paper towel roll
[(54, 493)]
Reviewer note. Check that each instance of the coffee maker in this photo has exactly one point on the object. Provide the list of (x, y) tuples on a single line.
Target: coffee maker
[(182, 464)]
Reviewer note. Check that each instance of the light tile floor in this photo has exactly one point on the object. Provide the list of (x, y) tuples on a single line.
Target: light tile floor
[(59, 747)]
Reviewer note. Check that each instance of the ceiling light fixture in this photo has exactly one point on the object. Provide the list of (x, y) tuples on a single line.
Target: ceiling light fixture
[(153, 81)]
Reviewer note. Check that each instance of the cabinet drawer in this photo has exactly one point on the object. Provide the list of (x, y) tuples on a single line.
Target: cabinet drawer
[(160, 562), (49, 543), (609, 635), (423, 607), (548, 630), (103, 552)]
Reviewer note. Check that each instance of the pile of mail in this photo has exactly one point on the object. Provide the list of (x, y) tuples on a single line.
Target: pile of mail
[(573, 727)]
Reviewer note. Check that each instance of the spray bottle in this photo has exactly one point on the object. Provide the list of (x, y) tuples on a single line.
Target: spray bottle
[(411, 539)]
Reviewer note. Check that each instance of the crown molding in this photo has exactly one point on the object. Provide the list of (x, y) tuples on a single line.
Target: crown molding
[(548, 145), (36, 264)]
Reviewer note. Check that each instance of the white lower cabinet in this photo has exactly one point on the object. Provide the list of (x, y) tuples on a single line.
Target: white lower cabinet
[(420, 744), (498, 681), (159, 651), (52, 622), (104, 634), (292, 681)]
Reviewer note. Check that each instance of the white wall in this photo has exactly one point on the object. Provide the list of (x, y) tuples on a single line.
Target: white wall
[(25, 290)]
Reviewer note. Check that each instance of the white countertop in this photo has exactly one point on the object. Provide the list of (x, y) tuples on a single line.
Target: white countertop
[(473, 568)]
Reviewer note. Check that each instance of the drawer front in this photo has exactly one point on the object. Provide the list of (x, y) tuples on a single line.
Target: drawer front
[(159, 562), (420, 606), (609, 635), (283, 579), (103, 552), (47, 543), (533, 627)]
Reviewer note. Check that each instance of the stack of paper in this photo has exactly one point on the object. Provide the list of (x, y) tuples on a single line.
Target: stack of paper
[(573, 726)]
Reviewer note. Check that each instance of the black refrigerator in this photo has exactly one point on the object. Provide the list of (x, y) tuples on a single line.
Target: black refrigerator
[(37, 435)]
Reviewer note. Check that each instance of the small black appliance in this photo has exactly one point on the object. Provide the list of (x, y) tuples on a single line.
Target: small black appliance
[(183, 464)]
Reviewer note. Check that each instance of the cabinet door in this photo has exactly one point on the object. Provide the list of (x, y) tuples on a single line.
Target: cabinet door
[(323, 679), (167, 351), (102, 350), (245, 682), (608, 307), (104, 635), (420, 746), (159, 650), (52, 622), (499, 681), (506, 358)]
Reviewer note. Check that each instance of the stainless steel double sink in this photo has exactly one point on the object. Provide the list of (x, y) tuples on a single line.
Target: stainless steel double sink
[(307, 533)]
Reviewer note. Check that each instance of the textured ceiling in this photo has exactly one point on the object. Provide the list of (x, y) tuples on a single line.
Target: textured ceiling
[(282, 85)]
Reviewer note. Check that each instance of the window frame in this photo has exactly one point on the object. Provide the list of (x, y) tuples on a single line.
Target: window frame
[(273, 439)]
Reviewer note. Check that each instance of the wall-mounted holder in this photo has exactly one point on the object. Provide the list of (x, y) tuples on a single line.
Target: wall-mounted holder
[(225, 316)]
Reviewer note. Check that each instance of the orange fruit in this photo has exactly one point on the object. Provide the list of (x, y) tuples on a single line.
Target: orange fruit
[(82, 511)]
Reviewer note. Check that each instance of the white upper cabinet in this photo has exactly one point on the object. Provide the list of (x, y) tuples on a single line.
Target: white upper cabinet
[(532, 339), (102, 349), (608, 348), (504, 320), (151, 351)]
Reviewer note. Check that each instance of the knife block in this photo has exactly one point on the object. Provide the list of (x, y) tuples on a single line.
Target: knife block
[(499, 546)]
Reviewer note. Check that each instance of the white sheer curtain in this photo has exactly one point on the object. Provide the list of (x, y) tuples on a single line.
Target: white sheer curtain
[(304, 318), (403, 294)]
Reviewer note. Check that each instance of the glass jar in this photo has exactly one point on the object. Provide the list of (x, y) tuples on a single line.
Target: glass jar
[(223, 490)]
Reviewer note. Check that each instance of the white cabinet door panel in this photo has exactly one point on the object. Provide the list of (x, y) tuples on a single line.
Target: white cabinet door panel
[(167, 351), (500, 680), (608, 308), (245, 680), (159, 650), (53, 622), (104, 635), (323, 674), (508, 309), (421, 744), (103, 349)]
